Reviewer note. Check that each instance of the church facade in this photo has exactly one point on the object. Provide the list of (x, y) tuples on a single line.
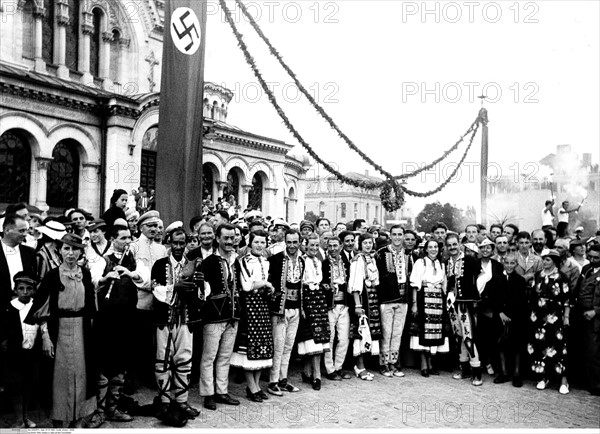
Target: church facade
[(80, 86)]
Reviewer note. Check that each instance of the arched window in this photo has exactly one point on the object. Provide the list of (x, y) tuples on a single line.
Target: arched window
[(148, 166), (15, 163), (207, 181), (28, 30), (95, 42), (114, 56), (63, 176), (256, 192), (48, 32), (233, 186), (72, 34), (343, 210), (321, 209), (213, 110)]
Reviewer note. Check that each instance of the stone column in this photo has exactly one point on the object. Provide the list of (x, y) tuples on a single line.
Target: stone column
[(269, 203), (41, 182), (87, 30), (89, 188), (38, 15), (244, 197), (105, 60), (123, 50), (219, 193), (60, 38)]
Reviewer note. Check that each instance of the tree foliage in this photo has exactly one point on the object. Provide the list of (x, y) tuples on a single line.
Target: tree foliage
[(311, 217), (448, 214)]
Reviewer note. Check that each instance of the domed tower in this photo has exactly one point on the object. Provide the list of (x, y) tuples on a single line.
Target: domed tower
[(216, 101)]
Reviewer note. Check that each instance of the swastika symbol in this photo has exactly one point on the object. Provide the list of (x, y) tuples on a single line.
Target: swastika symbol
[(187, 31)]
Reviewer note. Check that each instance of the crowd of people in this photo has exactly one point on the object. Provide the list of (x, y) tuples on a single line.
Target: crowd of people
[(99, 301)]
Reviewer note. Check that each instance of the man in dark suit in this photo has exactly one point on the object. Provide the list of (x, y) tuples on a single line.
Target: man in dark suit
[(348, 252), (14, 256)]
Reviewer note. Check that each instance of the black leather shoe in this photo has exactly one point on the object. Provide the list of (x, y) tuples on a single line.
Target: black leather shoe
[(316, 384), (502, 378), (210, 403), (263, 395), (517, 381), (433, 372), (334, 376), (226, 399), (424, 372), (255, 397), (190, 411)]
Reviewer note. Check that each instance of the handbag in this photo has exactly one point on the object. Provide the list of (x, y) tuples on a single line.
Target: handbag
[(365, 334)]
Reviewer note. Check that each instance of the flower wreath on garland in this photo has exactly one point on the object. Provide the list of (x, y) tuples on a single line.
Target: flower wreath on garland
[(392, 193), (392, 196)]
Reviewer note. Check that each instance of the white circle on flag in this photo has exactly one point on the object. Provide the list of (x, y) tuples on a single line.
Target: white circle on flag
[(185, 30)]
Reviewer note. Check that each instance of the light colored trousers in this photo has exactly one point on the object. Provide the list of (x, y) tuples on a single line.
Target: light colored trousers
[(219, 339), (173, 377), (393, 316), (339, 321), (284, 333)]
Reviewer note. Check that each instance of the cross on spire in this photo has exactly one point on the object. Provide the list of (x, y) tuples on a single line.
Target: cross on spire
[(153, 62)]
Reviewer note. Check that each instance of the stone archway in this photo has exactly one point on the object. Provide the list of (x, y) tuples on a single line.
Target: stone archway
[(15, 167), (63, 176)]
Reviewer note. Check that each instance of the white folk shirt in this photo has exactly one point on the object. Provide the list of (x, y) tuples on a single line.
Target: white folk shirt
[(29, 331), (13, 259), (563, 216), (148, 252), (547, 218)]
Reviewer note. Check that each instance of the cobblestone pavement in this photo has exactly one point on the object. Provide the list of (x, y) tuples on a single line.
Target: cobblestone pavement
[(392, 403)]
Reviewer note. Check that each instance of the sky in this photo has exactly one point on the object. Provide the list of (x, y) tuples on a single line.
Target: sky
[(401, 79)]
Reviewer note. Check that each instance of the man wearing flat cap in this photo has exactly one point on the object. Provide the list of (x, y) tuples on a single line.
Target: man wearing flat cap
[(280, 226)]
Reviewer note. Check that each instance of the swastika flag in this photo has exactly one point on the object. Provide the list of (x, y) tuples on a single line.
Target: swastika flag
[(179, 154)]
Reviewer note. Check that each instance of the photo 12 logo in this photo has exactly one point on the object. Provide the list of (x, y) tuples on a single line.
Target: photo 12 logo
[(470, 12), (286, 11), (454, 92)]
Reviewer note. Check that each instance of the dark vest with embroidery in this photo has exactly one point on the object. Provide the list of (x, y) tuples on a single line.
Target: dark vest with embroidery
[(389, 290), (223, 302), (281, 299), (124, 292)]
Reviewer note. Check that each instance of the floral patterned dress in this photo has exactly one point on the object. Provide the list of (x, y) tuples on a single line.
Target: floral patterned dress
[(547, 344)]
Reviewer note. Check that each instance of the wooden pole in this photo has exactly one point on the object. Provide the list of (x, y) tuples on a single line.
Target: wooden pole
[(484, 164)]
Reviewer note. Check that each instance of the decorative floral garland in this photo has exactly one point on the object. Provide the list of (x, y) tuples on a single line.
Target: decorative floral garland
[(329, 120), (387, 186)]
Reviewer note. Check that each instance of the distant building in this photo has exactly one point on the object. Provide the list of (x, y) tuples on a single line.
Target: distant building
[(519, 197), (327, 197)]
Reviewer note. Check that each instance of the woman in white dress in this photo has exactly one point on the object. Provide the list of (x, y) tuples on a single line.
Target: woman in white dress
[(253, 350), (313, 333), (428, 282)]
